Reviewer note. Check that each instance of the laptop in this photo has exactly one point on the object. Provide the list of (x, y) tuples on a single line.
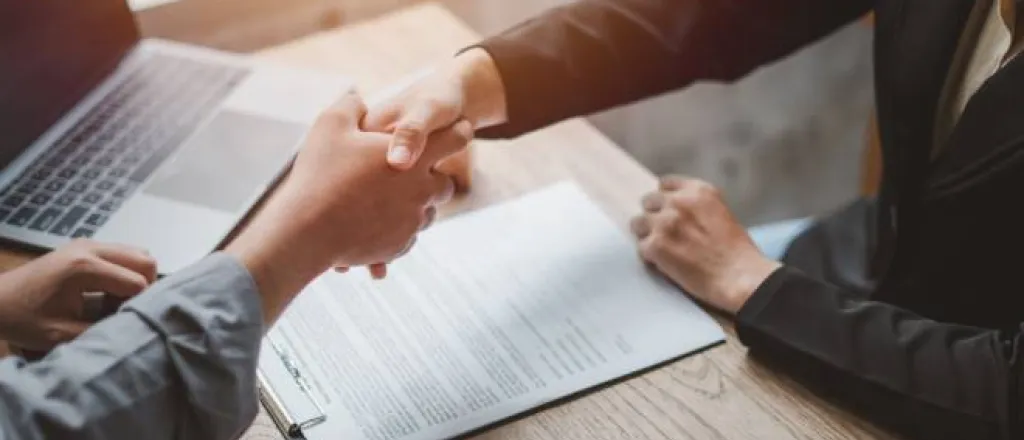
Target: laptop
[(144, 142)]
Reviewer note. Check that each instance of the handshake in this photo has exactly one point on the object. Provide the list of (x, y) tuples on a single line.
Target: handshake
[(364, 184), (361, 188)]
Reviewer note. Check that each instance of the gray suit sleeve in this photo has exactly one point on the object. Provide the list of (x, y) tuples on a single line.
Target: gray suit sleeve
[(177, 362)]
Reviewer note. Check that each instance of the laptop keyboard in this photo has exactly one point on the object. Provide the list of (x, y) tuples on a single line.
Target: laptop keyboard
[(85, 176)]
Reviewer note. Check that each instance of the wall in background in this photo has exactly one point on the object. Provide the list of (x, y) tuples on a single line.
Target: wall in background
[(785, 141)]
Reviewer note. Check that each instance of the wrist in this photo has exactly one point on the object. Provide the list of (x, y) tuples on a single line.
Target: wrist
[(273, 250), (745, 282), (484, 100)]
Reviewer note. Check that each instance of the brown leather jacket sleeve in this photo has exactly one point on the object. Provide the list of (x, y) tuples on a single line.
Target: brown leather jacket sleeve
[(923, 378), (594, 54)]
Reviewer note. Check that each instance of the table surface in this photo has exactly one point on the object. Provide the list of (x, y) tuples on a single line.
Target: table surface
[(716, 394)]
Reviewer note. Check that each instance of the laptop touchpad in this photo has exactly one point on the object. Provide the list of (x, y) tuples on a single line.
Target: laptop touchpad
[(224, 164)]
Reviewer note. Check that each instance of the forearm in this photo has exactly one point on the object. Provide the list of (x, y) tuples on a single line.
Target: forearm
[(923, 378), (595, 54), (280, 266), (178, 361)]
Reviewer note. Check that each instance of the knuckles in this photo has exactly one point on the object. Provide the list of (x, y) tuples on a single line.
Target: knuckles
[(149, 266), (652, 201), (463, 132), (640, 226), (693, 194), (334, 117), (676, 213), (653, 248), (57, 335), (136, 284), (436, 104), (80, 261), (667, 221)]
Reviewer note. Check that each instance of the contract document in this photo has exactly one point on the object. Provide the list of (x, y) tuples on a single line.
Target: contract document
[(492, 314)]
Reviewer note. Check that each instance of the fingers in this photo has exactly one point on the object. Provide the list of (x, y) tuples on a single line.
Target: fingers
[(447, 142), (671, 182), (119, 270), (347, 112), (429, 215), (420, 120), (379, 271), (137, 260), (444, 188), (408, 247), (640, 226), (653, 202), (669, 223), (100, 275), (56, 332)]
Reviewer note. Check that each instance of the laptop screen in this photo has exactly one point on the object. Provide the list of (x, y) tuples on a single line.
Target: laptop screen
[(52, 52)]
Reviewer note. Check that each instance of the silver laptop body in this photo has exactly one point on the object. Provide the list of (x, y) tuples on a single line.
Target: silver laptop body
[(149, 143)]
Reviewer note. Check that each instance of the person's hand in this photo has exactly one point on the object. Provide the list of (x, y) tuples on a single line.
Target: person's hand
[(468, 88), (688, 233), (341, 205), (43, 303)]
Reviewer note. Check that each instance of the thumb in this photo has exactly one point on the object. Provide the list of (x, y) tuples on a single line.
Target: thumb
[(414, 128)]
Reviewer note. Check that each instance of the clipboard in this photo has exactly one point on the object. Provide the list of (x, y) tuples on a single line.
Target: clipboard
[(283, 390), (419, 357)]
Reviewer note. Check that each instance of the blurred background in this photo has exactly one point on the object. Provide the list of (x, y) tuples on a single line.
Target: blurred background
[(786, 141)]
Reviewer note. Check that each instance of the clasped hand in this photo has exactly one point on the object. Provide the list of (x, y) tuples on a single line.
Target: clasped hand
[(341, 192), (340, 205), (686, 230), (43, 303), (688, 233)]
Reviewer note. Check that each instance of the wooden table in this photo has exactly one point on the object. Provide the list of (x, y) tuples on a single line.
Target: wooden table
[(717, 394)]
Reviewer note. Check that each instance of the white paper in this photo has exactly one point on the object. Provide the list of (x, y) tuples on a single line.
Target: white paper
[(140, 5), (492, 314)]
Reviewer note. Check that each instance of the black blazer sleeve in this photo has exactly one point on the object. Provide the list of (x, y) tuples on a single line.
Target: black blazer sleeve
[(923, 378), (595, 54)]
